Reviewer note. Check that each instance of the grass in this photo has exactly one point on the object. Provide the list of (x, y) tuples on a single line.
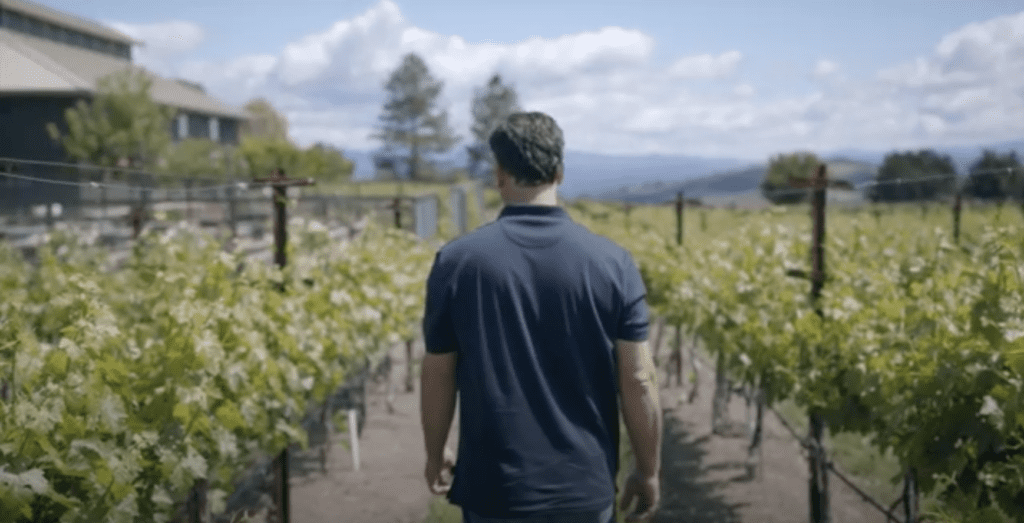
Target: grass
[(877, 473)]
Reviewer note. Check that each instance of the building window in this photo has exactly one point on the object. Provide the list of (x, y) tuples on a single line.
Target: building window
[(214, 129), (182, 126), (198, 126)]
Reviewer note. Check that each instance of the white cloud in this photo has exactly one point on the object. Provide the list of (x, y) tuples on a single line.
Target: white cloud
[(609, 95), (706, 65), (173, 37), (825, 68)]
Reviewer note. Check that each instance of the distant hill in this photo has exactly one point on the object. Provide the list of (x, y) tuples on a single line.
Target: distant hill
[(743, 182), (657, 178), (591, 172)]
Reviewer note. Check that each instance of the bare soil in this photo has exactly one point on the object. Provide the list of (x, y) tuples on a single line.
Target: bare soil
[(389, 487), (704, 476)]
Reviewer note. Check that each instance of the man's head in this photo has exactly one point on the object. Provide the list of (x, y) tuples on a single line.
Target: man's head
[(528, 147)]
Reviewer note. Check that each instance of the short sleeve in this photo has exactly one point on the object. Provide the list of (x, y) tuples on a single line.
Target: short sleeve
[(635, 319), (438, 327)]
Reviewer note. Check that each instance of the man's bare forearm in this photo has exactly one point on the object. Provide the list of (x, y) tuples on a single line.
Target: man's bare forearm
[(641, 412), (437, 402)]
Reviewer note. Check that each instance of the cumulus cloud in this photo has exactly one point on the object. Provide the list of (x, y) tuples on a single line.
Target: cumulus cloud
[(163, 43), (609, 95), (705, 65)]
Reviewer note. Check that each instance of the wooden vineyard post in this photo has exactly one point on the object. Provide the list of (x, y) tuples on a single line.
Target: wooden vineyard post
[(232, 210), (756, 432), (196, 507), (957, 207), (280, 183), (188, 199), (819, 491), (677, 355), (680, 202), (409, 385), (818, 460), (911, 506), (398, 212)]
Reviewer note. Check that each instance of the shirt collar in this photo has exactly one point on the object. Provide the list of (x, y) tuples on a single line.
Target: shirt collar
[(552, 211)]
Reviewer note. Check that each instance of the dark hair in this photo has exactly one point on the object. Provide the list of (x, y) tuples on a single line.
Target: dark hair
[(528, 146)]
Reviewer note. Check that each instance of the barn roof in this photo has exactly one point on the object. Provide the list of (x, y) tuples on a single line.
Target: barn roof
[(30, 64)]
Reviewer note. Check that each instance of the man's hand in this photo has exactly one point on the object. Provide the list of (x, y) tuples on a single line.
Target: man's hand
[(438, 473), (646, 492)]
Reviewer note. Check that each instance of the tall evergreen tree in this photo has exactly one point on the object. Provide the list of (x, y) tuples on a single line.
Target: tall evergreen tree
[(491, 105), (412, 126)]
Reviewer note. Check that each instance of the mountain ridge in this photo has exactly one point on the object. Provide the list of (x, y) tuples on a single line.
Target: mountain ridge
[(608, 176)]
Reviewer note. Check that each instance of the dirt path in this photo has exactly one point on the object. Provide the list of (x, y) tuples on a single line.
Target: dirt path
[(389, 487), (705, 476)]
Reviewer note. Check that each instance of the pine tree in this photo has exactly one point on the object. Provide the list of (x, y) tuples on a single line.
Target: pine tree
[(411, 124), (491, 105)]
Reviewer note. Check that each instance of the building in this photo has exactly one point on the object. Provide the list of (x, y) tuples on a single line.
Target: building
[(50, 59)]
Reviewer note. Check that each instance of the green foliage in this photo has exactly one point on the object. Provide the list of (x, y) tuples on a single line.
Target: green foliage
[(264, 155), (264, 121), (128, 386), (920, 346), (201, 158), (996, 176), (910, 175), (120, 123), (411, 125), (778, 186), (324, 163), (491, 106)]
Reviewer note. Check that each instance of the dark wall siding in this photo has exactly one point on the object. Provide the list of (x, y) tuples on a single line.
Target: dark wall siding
[(229, 131), (23, 136), (23, 122), (198, 126)]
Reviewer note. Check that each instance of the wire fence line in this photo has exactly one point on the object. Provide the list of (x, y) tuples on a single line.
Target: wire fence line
[(807, 446)]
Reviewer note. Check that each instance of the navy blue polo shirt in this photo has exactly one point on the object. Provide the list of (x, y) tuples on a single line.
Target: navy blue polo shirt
[(533, 303)]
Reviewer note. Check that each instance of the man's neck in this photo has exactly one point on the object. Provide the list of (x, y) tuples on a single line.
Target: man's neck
[(547, 196)]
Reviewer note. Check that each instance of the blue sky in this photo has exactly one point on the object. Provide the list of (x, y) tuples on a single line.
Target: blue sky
[(730, 78)]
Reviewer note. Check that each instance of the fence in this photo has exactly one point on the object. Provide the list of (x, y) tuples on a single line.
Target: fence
[(34, 196)]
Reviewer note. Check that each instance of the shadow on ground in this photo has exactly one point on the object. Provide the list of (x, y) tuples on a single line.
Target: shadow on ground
[(686, 493)]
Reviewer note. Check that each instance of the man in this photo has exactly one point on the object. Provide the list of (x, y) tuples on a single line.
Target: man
[(541, 325)]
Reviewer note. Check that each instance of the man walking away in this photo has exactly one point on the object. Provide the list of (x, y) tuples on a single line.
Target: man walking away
[(542, 327)]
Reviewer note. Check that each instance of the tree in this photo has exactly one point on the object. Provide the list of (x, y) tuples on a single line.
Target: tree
[(911, 175), (779, 185), (325, 163), (201, 158), (995, 176), (262, 156), (491, 105), (264, 121), (121, 124), (411, 124)]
